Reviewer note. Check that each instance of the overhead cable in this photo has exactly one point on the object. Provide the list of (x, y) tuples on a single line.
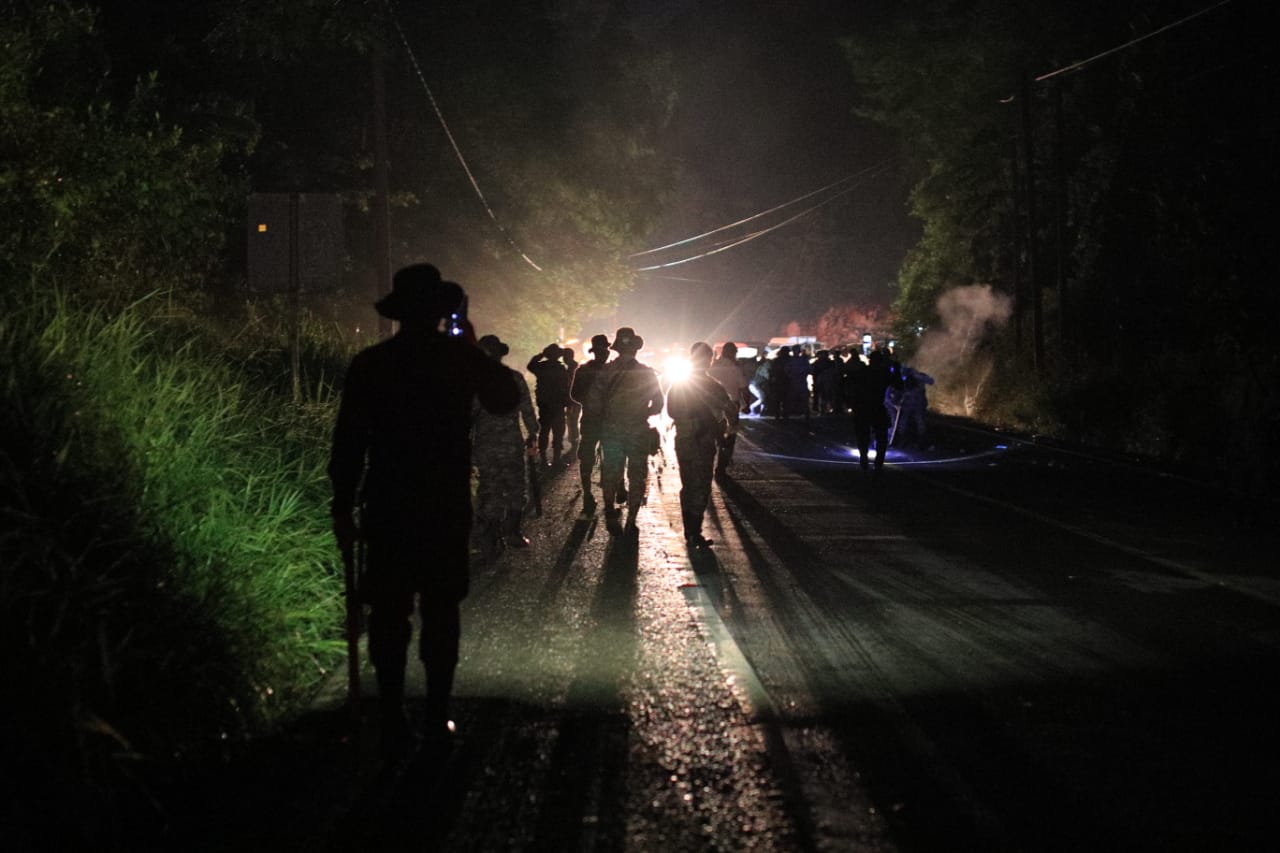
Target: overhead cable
[(1076, 66), (747, 238), (774, 209), (462, 161)]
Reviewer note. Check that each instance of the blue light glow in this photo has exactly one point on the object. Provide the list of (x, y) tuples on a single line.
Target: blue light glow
[(839, 456)]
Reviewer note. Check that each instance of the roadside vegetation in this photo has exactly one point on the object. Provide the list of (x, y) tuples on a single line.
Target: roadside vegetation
[(168, 584), (169, 588), (1095, 261), (169, 580)]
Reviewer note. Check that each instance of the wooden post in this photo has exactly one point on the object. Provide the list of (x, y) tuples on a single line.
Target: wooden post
[(295, 300), (381, 206), (1033, 277), (1060, 219)]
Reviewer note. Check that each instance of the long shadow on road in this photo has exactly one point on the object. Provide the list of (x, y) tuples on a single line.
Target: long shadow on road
[(1120, 759), (521, 776)]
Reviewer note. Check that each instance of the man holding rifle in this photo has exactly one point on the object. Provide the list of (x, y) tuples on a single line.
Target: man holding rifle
[(402, 457)]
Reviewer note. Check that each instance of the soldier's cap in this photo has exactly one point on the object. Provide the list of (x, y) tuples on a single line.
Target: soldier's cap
[(599, 343), (418, 292), (626, 340), (493, 346)]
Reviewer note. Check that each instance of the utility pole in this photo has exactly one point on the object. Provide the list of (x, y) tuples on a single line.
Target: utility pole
[(295, 298), (1060, 219), (381, 206), (1033, 278), (1019, 295)]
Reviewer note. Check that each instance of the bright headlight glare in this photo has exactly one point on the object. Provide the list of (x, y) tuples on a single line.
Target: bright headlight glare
[(676, 369)]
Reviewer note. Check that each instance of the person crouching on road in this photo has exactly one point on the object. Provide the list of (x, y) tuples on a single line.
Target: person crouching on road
[(627, 394), (402, 454), (701, 409)]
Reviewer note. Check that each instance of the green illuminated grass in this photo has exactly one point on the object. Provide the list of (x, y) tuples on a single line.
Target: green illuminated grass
[(167, 575)]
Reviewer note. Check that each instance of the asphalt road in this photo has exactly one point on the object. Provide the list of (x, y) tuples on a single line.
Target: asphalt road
[(1018, 647), (994, 645)]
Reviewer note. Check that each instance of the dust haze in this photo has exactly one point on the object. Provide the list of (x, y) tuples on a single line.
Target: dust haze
[(956, 354)]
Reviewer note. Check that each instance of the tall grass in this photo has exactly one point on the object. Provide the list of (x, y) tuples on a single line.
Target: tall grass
[(167, 576)]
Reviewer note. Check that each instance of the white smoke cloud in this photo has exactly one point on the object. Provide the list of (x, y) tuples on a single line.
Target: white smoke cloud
[(953, 353)]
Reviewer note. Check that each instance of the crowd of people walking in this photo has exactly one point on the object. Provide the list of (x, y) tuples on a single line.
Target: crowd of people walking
[(438, 448)]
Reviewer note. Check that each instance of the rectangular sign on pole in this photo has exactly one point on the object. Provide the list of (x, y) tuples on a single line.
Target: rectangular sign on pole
[(302, 229)]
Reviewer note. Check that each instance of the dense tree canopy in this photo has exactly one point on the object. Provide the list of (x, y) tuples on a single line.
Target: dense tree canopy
[(102, 189), (553, 112), (136, 155), (1122, 196)]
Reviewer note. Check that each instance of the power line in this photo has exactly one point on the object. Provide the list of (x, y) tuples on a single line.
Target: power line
[(462, 161), (1076, 66), (725, 246), (774, 209)]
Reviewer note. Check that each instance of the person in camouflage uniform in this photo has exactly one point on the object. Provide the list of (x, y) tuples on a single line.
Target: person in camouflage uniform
[(626, 394), (701, 408), (573, 410), (584, 377), (726, 371), (498, 450), (552, 394)]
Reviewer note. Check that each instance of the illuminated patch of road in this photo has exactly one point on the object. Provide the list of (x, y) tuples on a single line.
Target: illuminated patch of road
[(896, 459), (825, 793)]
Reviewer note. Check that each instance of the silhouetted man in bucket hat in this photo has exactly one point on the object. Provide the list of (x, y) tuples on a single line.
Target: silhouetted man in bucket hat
[(402, 457), (589, 430), (626, 394)]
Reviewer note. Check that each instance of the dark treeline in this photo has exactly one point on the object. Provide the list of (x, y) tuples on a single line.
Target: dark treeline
[(168, 579), (170, 591), (1119, 206)]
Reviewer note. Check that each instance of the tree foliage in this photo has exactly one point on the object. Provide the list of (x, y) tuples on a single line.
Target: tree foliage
[(101, 189), (557, 115), (555, 109), (1146, 171), (846, 324)]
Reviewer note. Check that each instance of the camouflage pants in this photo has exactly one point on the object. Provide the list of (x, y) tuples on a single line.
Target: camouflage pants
[(696, 456), (629, 452), (587, 449), (551, 427), (501, 488)]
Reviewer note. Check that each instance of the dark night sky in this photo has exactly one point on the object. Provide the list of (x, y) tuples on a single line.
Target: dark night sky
[(765, 116)]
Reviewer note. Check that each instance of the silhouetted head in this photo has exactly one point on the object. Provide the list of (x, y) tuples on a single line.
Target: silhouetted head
[(493, 346), (700, 356), (627, 342), (729, 350), (599, 346), (418, 295)]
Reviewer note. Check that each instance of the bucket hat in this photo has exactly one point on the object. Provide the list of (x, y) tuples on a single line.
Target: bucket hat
[(417, 291), (626, 340), (493, 346)]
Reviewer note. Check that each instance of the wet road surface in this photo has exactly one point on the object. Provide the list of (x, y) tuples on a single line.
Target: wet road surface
[(994, 645)]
